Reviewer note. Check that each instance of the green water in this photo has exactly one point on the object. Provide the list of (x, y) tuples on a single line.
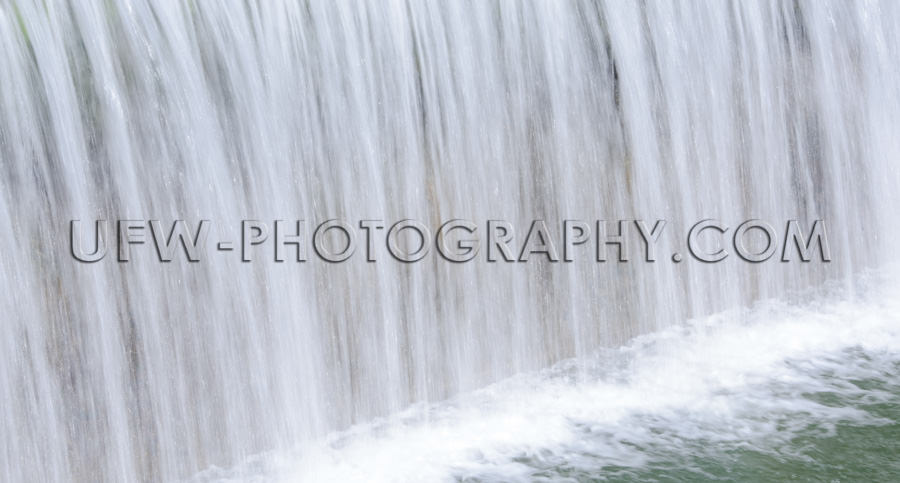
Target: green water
[(863, 444)]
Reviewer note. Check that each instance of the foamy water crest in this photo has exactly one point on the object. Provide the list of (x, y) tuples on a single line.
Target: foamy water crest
[(749, 380)]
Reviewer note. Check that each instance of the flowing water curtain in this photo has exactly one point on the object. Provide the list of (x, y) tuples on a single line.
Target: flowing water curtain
[(392, 110)]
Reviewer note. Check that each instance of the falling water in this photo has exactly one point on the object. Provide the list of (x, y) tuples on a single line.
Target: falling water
[(390, 110)]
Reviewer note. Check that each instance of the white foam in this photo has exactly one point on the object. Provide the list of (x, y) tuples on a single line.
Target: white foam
[(737, 378)]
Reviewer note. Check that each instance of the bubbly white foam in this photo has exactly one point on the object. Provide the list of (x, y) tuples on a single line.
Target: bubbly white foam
[(735, 379)]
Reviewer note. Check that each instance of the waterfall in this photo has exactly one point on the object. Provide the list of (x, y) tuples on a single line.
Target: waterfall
[(391, 110)]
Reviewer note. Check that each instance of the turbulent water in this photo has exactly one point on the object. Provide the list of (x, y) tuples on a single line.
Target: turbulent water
[(428, 110), (777, 392)]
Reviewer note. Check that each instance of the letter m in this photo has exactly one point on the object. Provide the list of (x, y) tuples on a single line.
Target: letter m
[(794, 238)]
